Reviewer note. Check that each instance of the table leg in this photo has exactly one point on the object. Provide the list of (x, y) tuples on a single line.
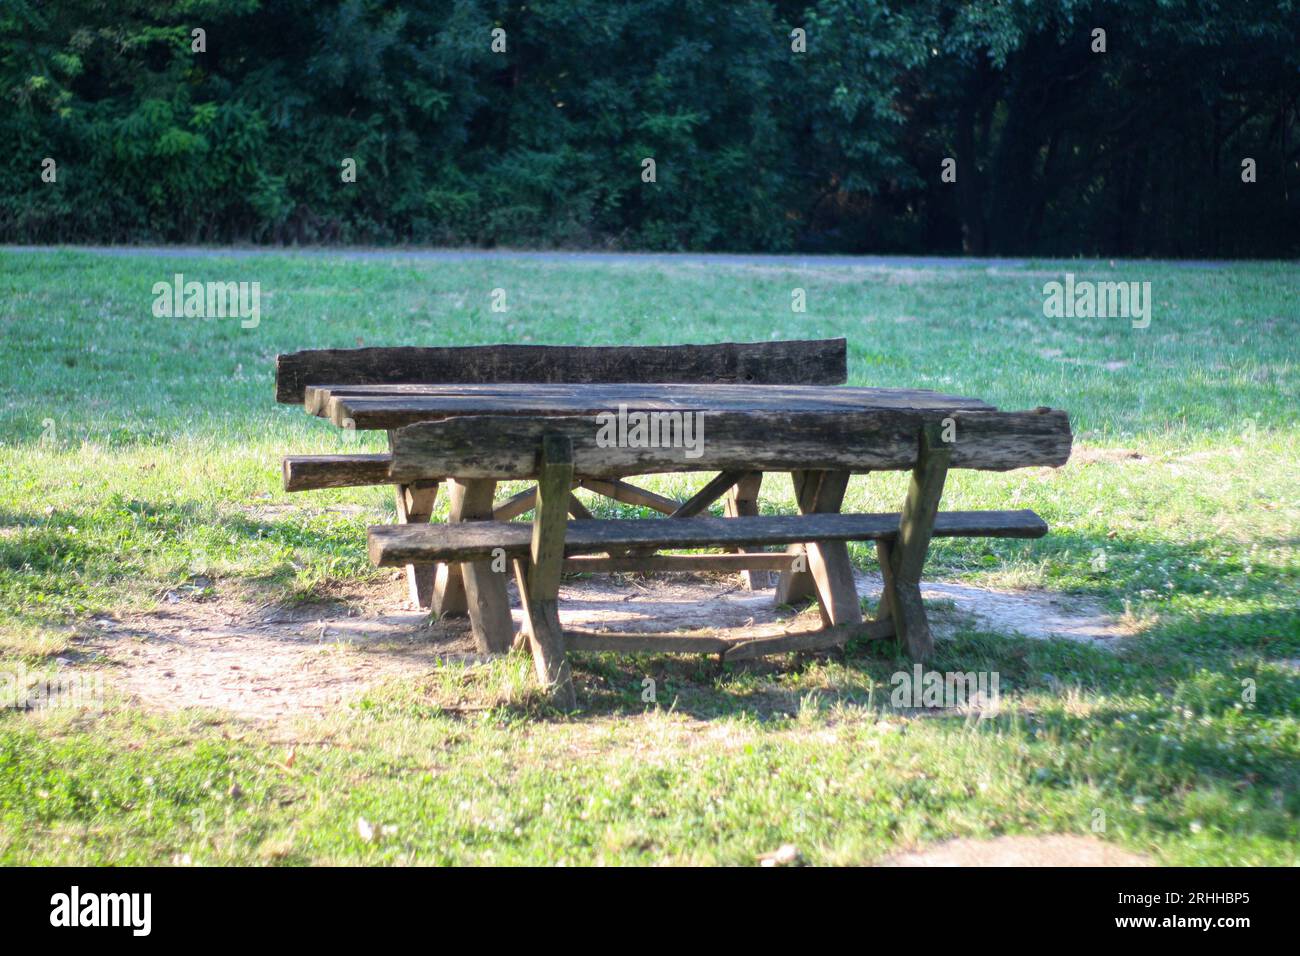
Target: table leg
[(539, 577), (742, 500), (901, 564), (482, 588)]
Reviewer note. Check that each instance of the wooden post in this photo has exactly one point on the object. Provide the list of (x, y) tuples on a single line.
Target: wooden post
[(482, 589), (539, 577), (415, 506), (742, 501), (902, 563)]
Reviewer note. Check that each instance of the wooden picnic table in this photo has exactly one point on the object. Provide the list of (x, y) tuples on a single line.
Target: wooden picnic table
[(820, 434)]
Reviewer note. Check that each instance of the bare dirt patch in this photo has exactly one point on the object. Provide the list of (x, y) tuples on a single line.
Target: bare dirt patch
[(1059, 850), (1085, 455), (269, 662)]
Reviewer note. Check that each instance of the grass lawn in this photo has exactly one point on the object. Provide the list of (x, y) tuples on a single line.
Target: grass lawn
[(139, 455)]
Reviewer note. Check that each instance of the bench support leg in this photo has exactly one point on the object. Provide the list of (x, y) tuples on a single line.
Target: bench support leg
[(539, 578), (473, 586), (742, 501), (828, 561), (415, 506), (795, 586), (449, 586), (901, 563), (830, 574)]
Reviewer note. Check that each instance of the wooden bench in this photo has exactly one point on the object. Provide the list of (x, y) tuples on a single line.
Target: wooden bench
[(820, 450), (815, 362)]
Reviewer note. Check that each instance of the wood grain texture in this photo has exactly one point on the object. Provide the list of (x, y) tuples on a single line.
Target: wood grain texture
[(817, 362), (311, 472), (505, 447), (397, 544)]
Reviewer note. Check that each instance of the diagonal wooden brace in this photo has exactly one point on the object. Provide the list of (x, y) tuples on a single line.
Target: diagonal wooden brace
[(902, 562)]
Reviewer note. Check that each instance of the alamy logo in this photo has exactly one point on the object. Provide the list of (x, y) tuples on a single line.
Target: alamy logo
[(626, 429), (208, 300), (103, 909), (948, 690), (21, 689), (1102, 300)]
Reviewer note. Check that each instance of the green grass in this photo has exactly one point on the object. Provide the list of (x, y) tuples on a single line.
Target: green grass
[(137, 454)]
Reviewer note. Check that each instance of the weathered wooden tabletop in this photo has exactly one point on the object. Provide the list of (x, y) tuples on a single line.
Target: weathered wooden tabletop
[(394, 406)]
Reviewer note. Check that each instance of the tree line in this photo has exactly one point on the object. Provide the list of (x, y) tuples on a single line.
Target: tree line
[(1060, 127)]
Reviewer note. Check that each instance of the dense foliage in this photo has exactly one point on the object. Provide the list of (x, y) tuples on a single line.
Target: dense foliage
[(1059, 149)]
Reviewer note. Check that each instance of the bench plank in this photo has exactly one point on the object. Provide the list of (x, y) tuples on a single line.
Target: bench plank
[(311, 472), (400, 544), (807, 362), (505, 447)]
